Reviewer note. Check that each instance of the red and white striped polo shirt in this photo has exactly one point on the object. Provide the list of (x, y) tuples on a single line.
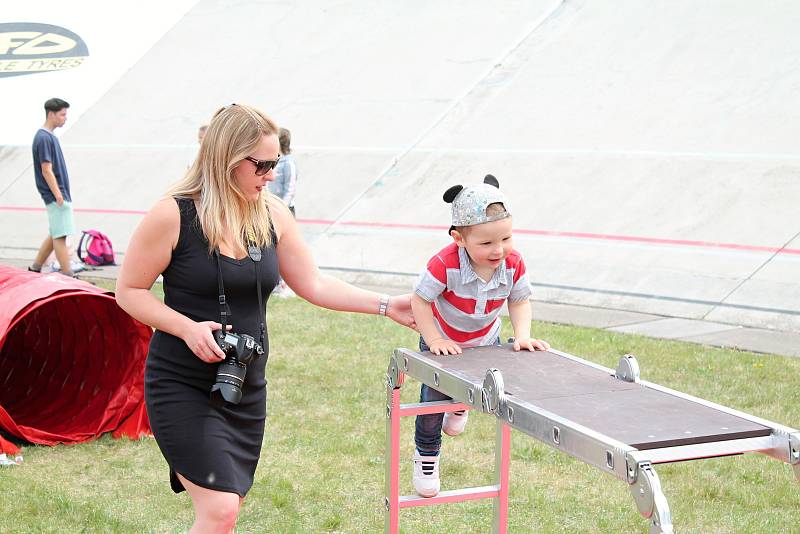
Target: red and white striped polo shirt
[(467, 309)]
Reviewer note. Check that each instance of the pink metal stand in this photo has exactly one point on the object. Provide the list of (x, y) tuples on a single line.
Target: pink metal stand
[(393, 501)]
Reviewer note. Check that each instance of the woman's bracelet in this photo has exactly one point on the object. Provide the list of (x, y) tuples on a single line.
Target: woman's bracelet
[(384, 305)]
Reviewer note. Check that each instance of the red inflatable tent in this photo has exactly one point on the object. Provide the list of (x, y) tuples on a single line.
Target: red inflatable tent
[(71, 361)]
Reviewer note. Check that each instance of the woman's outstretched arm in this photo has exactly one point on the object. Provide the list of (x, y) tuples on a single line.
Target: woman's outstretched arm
[(301, 273)]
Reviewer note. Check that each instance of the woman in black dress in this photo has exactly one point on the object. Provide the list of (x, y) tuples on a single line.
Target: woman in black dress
[(217, 221)]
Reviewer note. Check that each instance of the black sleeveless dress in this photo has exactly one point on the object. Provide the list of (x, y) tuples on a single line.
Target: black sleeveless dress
[(216, 447)]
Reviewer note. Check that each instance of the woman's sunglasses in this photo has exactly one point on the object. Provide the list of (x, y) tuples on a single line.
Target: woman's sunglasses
[(263, 166)]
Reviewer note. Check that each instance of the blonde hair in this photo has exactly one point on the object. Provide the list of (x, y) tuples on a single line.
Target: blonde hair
[(233, 134), (495, 208)]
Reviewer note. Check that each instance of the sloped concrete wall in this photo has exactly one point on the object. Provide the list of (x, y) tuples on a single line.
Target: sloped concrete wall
[(649, 148)]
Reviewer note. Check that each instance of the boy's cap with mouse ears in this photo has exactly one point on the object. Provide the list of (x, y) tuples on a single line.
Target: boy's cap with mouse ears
[(470, 203)]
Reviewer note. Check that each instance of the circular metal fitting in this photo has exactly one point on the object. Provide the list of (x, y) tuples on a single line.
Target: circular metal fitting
[(643, 491), (628, 369), (493, 391)]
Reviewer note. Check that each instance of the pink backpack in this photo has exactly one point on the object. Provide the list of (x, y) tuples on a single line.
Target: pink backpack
[(97, 249)]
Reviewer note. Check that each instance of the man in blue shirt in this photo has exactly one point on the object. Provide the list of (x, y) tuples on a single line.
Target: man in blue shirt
[(52, 181)]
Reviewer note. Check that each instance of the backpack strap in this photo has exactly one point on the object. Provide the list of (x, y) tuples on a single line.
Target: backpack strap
[(80, 245), (83, 253)]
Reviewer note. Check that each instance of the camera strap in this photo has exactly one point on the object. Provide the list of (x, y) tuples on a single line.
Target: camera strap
[(224, 309), (255, 255)]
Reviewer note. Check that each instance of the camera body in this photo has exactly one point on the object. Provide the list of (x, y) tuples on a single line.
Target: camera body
[(240, 350)]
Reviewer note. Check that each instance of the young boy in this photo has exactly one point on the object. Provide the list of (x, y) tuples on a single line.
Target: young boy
[(457, 303)]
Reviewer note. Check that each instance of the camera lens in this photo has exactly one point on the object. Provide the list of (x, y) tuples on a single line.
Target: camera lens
[(228, 385), (240, 349)]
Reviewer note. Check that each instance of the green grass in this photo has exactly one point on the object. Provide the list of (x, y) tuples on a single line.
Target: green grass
[(322, 467)]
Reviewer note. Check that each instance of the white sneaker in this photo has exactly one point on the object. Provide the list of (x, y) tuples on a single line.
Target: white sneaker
[(454, 422), (75, 265), (426, 474)]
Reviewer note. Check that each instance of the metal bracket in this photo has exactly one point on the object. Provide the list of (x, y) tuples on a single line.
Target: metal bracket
[(628, 369), (393, 372), (794, 453), (650, 500), (493, 393)]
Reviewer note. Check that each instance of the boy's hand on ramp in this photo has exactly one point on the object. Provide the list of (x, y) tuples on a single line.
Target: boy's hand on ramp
[(531, 344), (445, 346)]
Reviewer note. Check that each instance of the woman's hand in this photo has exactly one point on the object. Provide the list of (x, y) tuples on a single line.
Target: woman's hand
[(400, 311), (199, 337)]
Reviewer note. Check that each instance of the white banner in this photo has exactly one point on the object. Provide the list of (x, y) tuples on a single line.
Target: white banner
[(74, 51)]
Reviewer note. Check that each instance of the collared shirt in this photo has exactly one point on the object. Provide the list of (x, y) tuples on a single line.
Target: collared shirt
[(466, 308), (285, 182)]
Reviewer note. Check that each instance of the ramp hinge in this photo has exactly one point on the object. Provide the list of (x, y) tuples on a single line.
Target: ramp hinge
[(493, 392), (628, 369)]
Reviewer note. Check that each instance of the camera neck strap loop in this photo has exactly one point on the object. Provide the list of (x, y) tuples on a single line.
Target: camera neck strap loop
[(224, 310)]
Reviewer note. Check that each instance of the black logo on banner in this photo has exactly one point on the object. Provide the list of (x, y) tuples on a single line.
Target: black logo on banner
[(30, 47)]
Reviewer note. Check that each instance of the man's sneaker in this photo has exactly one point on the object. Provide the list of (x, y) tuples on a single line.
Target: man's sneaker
[(426, 474), (74, 265), (454, 422)]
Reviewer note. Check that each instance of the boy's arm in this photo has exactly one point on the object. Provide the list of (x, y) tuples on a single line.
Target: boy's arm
[(520, 314), (427, 328)]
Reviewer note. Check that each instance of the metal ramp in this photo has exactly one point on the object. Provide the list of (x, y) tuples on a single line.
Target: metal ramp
[(608, 418)]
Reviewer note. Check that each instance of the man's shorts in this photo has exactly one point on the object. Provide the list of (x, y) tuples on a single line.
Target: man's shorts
[(60, 219)]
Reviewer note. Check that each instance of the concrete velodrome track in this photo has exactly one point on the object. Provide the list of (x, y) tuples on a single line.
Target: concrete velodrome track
[(650, 149)]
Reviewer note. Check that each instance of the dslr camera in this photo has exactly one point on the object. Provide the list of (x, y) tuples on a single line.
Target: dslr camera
[(240, 350)]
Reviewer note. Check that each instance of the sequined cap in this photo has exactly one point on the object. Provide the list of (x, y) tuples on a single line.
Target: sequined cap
[(469, 205)]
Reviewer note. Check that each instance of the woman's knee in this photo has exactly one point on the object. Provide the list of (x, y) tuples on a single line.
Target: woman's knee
[(222, 513), (215, 509)]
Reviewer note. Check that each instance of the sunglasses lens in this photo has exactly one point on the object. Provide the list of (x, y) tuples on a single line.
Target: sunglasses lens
[(265, 166)]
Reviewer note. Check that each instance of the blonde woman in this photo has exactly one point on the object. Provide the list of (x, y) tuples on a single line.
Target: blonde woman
[(220, 220)]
